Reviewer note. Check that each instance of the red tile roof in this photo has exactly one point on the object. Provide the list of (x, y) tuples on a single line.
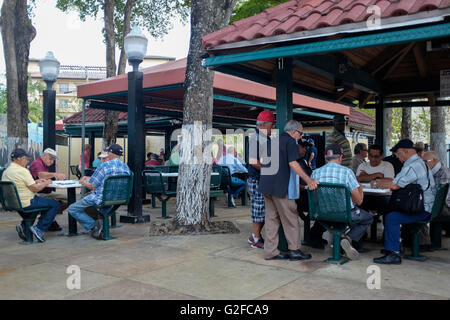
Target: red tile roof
[(360, 117), (95, 115), (300, 15)]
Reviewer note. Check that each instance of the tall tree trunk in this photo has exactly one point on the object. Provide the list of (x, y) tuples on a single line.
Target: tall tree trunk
[(406, 123), (388, 121), (195, 171), (17, 34), (111, 117), (126, 30), (437, 129)]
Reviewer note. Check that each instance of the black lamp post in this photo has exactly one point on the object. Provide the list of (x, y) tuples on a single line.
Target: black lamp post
[(135, 48), (49, 68)]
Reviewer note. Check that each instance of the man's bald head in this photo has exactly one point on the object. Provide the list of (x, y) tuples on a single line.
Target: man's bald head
[(431, 158)]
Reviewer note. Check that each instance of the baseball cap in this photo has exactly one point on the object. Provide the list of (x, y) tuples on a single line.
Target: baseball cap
[(333, 150), (419, 145), (18, 153), (116, 149), (51, 152), (266, 116), (404, 144), (310, 141)]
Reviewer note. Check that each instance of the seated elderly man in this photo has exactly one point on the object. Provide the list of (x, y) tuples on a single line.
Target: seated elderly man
[(414, 171), (111, 167), (238, 173), (27, 188), (335, 172), (370, 171), (441, 175), (360, 156), (40, 169)]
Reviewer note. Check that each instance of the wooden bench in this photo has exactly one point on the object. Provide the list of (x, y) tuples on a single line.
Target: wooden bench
[(116, 192), (330, 205), (9, 197), (438, 205)]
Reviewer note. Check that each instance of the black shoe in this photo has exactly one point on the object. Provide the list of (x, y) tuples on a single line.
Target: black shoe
[(54, 227), (280, 256), (97, 231), (298, 255), (391, 258)]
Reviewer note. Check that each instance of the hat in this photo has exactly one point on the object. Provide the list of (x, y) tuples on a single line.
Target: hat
[(310, 141), (419, 145), (404, 143), (266, 116), (103, 154), (18, 153), (333, 150), (116, 149), (51, 152)]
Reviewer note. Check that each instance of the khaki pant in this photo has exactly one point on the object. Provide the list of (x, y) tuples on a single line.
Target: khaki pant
[(284, 211)]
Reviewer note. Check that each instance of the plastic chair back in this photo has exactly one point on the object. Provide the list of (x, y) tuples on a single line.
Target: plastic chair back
[(330, 202), (439, 201), (9, 197), (216, 178), (154, 182), (117, 190)]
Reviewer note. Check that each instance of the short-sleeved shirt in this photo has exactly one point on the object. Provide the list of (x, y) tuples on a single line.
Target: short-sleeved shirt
[(275, 175), (257, 151), (310, 150), (356, 162), (97, 162), (340, 139), (335, 173), (87, 159), (39, 166), (384, 167), (23, 179), (415, 171), (233, 163), (113, 167)]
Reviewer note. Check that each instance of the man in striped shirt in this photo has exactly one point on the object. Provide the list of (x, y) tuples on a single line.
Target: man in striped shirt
[(337, 136)]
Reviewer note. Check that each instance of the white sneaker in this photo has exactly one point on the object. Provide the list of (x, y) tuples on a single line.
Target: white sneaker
[(232, 202), (351, 252)]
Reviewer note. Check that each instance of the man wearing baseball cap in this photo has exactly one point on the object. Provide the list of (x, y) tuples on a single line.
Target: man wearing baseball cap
[(27, 188), (414, 171), (40, 169), (259, 143), (334, 172), (337, 136), (111, 167)]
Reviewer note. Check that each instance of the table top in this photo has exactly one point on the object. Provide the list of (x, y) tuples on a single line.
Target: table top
[(382, 192), (175, 174), (65, 184)]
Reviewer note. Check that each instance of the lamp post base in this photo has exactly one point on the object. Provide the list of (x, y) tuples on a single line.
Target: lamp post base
[(135, 219)]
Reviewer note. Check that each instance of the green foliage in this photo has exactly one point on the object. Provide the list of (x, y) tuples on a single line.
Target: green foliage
[(248, 8), (3, 104), (155, 16), (396, 125)]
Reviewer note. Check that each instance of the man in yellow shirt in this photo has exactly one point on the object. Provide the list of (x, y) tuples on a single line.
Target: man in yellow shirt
[(27, 188)]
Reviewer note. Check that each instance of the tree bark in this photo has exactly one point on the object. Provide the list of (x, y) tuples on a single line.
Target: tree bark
[(437, 129), (17, 34), (126, 30), (195, 170), (388, 122), (406, 123), (111, 117)]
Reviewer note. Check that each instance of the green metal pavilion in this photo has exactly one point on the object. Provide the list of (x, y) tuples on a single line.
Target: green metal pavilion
[(371, 53)]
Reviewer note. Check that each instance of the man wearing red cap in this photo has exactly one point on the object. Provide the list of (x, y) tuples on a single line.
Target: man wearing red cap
[(259, 143)]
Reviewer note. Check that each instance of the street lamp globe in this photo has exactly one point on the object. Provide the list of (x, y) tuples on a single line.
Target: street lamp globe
[(135, 47), (49, 68)]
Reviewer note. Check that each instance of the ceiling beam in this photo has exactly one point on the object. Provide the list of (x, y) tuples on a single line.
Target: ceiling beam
[(399, 59), (420, 60)]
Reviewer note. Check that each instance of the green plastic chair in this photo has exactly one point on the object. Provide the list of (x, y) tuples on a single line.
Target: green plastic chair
[(330, 205), (158, 187), (436, 227), (116, 192), (438, 205), (9, 197), (169, 182), (215, 190), (1, 172)]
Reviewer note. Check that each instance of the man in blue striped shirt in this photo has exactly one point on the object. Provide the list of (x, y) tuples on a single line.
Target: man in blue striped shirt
[(113, 166)]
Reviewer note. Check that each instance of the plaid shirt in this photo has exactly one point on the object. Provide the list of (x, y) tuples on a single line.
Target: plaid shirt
[(335, 173), (113, 167)]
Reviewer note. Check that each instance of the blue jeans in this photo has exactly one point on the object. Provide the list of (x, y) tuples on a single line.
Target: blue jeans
[(45, 220), (76, 210), (393, 221), (238, 186)]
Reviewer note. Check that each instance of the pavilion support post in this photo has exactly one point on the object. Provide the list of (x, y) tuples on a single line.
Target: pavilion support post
[(136, 150), (380, 124), (49, 119), (167, 143), (92, 155), (284, 114)]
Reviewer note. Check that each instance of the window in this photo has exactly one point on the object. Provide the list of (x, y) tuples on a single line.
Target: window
[(63, 87), (63, 103)]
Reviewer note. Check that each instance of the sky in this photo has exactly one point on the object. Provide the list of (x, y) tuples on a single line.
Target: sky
[(81, 43)]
